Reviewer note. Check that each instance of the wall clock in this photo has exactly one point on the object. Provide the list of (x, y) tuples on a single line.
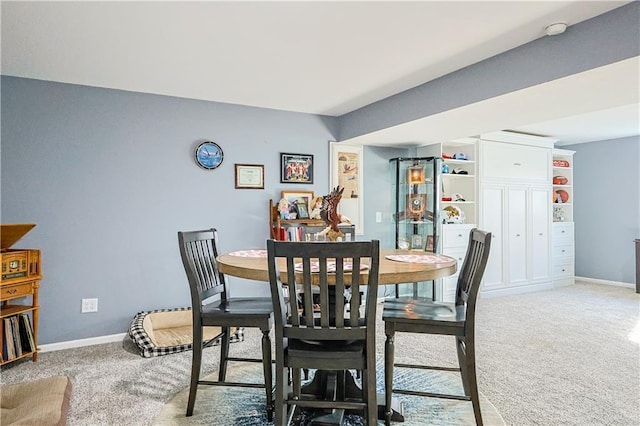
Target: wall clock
[(209, 155)]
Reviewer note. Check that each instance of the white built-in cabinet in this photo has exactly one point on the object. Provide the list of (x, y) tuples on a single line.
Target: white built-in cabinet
[(563, 254), (563, 241), (510, 191), (515, 206)]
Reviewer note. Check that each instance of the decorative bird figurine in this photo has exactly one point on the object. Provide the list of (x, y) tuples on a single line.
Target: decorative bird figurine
[(330, 216)]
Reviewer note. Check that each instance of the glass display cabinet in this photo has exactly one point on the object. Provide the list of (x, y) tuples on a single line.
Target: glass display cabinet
[(416, 191)]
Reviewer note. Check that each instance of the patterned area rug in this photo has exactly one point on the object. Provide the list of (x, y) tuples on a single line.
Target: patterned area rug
[(244, 406)]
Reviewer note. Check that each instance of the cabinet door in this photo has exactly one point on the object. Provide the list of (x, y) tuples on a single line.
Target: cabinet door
[(509, 162), (517, 235), (540, 233), (493, 199)]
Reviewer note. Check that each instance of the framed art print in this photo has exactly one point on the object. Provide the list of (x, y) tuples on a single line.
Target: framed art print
[(296, 168), (345, 162)]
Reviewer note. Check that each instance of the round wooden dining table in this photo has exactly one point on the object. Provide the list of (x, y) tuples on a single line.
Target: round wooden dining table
[(252, 264), (408, 267)]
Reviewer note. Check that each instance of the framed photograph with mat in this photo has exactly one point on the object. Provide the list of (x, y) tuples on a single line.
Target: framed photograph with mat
[(429, 246), (299, 202), (416, 242)]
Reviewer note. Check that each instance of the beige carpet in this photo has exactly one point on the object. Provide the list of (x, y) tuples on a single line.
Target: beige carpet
[(565, 357), (244, 407)]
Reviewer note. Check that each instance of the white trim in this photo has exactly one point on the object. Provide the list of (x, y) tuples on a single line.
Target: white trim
[(519, 138), (606, 282), (499, 292), (70, 344)]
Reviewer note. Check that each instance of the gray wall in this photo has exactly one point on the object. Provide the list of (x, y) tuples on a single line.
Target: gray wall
[(378, 191), (109, 178), (607, 208)]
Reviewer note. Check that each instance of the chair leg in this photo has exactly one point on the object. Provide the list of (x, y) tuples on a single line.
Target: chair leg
[(470, 367), (224, 354), (369, 385), (268, 370), (389, 350), (462, 362), (296, 379), (196, 363), (280, 408)]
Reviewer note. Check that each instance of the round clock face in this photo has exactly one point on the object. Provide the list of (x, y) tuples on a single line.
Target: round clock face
[(209, 155)]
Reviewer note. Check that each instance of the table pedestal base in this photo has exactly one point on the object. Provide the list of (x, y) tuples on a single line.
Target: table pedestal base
[(332, 384)]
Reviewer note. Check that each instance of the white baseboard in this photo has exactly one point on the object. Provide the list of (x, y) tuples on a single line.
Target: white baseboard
[(70, 344), (605, 282)]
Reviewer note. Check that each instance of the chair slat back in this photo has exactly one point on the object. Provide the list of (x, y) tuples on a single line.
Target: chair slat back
[(198, 250), (319, 273), (472, 270)]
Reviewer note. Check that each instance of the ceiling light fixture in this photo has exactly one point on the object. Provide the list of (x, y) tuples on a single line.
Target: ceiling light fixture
[(555, 28)]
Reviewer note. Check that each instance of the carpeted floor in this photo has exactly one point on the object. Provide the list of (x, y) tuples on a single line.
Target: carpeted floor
[(569, 356)]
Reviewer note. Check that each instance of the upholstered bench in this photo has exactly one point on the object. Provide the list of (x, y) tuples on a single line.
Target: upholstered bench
[(167, 331), (39, 402)]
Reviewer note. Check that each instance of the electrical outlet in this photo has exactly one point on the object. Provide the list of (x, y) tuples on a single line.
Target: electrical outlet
[(89, 305)]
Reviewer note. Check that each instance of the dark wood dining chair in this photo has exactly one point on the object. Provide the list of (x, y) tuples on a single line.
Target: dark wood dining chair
[(198, 250), (452, 319), (326, 339)]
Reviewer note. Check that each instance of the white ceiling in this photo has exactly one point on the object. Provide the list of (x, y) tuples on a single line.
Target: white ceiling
[(315, 57)]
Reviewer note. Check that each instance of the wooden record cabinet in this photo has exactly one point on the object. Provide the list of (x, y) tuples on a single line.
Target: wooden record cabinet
[(21, 274)]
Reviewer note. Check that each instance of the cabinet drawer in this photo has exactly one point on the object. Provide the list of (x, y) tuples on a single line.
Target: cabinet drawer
[(449, 289), (456, 236), (564, 269), (564, 250), (562, 233), (511, 161), (458, 255), (16, 290)]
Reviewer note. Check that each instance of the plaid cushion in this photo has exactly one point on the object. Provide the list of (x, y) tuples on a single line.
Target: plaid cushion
[(148, 349)]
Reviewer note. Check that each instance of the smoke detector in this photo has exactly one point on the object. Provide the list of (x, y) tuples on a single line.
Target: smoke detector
[(555, 28)]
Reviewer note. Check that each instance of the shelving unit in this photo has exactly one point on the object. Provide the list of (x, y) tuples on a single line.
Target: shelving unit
[(291, 229), (455, 186), (562, 234), (415, 186), (19, 307), (562, 185)]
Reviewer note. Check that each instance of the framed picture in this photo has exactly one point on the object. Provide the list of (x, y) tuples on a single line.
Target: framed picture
[(299, 202), (430, 245), (303, 211), (416, 242), (249, 176), (296, 168), (345, 162)]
